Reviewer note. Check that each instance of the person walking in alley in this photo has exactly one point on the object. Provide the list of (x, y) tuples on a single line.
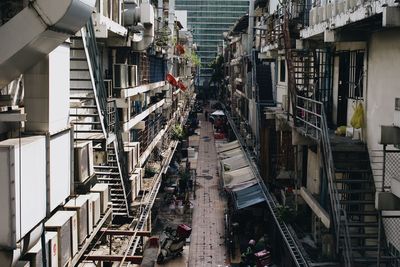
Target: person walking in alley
[(206, 115)]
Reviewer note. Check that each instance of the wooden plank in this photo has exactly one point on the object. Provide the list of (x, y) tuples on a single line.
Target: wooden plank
[(124, 232), (115, 258)]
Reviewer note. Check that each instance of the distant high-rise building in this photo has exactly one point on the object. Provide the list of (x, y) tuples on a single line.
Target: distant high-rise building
[(208, 20)]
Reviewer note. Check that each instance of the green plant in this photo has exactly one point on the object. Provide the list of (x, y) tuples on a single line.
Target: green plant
[(194, 58), (177, 132), (285, 213)]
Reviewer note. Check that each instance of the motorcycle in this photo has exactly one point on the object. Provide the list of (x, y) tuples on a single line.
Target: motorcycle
[(172, 242)]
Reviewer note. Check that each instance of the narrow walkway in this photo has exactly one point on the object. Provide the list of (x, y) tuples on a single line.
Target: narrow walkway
[(207, 246)]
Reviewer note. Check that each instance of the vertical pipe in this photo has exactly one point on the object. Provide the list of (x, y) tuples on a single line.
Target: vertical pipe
[(160, 10)]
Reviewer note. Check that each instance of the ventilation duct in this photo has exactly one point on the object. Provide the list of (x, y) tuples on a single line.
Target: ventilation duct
[(50, 24)]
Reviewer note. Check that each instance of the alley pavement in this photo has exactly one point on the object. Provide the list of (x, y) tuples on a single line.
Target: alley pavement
[(207, 246)]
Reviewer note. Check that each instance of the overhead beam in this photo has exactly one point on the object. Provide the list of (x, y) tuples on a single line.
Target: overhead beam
[(115, 258), (124, 232)]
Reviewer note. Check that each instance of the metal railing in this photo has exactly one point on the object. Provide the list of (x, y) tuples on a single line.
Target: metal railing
[(96, 71), (310, 117), (296, 251), (109, 123)]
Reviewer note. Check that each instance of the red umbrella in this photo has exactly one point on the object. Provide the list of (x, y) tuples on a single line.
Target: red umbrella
[(171, 79), (180, 49), (182, 86)]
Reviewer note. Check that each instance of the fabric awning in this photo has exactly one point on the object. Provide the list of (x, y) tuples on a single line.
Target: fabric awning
[(227, 146), (230, 153), (239, 179), (248, 197), (234, 163)]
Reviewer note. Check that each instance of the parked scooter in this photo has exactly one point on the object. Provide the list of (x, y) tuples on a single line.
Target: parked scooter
[(172, 242)]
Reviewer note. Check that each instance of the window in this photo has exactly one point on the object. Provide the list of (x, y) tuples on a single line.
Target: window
[(282, 76), (356, 74)]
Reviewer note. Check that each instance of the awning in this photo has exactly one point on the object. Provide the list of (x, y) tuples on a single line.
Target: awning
[(239, 179), (248, 197), (227, 146), (218, 113), (230, 153), (234, 163)]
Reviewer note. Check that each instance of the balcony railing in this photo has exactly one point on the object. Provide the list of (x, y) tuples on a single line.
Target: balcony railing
[(311, 119)]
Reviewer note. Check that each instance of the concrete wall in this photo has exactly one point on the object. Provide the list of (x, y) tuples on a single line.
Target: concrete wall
[(313, 172), (383, 83)]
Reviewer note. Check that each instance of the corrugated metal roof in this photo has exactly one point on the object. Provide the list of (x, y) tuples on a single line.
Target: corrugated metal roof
[(248, 197)]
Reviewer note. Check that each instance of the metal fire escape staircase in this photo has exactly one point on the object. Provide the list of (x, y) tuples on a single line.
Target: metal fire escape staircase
[(299, 256), (95, 118)]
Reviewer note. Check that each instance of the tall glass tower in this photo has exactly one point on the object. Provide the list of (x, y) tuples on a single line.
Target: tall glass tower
[(208, 19)]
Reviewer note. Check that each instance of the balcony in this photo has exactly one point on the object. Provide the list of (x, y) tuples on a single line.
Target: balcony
[(337, 14)]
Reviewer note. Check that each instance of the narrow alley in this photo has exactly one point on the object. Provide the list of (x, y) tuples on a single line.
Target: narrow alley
[(207, 242)]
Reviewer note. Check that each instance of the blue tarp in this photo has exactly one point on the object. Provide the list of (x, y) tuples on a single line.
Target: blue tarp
[(248, 197)]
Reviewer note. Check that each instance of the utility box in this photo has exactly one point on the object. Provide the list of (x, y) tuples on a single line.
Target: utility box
[(83, 161), (96, 200), (90, 221), (132, 76), (132, 152), (120, 76), (103, 189), (59, 186), (35, 255), (64, 223), (47, 92), (81, 206), (23, 264), (23, 187)]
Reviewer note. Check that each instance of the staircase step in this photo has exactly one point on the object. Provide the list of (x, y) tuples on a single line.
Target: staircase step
[(88, 131), (81, 97), (356, 191), (357, 202), (364, 235), (81, 89), (362, 213), (365, 248), (363, 224), (105, 167), (83, 115), (352, 181), (107, 173), (337, 170), (86, 122)]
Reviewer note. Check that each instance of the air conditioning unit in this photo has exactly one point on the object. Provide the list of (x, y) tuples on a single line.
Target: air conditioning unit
[(64, 223), (23, 184), (120, 76), (90, 211), (135, 186), (132, 76), (140, 173), (104, 191), (96, 200), (35, 254), (83, 161), (23, 264), (396, 114), (80, 205), (132, 150)]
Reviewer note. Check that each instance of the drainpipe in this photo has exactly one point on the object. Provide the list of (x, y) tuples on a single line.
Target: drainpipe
[(171, 25), (160, 9)]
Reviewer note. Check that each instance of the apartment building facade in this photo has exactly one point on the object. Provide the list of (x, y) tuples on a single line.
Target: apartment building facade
[(330, 136), (85, 107)]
